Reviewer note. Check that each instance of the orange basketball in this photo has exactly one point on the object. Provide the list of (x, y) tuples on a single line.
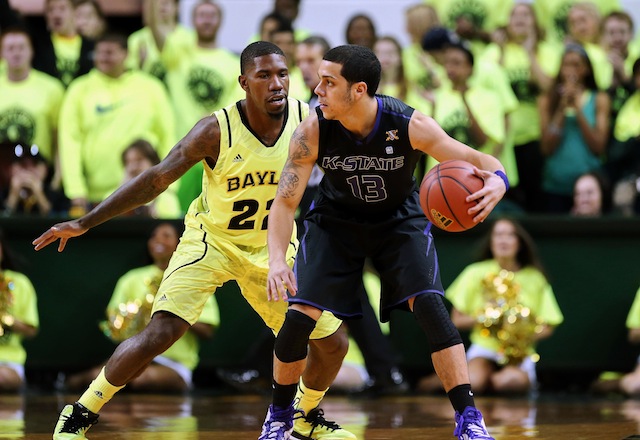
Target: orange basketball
[(443, 192)]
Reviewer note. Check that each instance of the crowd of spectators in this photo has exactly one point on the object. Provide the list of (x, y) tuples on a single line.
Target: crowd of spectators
[(550, 90)]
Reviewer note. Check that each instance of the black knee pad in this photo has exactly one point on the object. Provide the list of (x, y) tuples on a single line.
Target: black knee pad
[(433, 317), (293, 338)]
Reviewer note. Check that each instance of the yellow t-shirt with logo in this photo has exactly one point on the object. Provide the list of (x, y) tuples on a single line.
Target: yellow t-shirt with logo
[(420, 69), (626, 124), (67, 50), (100, 117), (552, 15), (200, 81), (452, 115), (24, 307), (144, 54), (524, 121), (135, 285), (29, 110), (485, 14), (237, 194)]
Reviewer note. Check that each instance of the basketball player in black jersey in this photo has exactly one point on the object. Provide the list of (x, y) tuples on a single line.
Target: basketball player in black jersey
[(367, 206)]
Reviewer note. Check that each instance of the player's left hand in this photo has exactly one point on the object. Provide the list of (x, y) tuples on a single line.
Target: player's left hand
[(488, 197), (280, 280)]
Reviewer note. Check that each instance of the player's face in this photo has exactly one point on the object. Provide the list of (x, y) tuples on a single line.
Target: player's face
[(587, 198), (504, 240), (308, 59), (267, 83), (16, 50), (162, 243), (334, 92)]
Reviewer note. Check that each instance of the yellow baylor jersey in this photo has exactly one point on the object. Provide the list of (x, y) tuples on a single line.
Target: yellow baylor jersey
[(237, 193)]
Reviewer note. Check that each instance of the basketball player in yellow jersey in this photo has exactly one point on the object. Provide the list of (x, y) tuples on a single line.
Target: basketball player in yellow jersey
[(243, 147)]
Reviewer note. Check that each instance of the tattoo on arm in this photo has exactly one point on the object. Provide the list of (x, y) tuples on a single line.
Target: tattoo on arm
[(289, 179)]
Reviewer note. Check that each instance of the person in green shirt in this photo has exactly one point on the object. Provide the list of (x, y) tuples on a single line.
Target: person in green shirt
[(102, 113), (146, 44), (507, 281), (201, 77), (530, 63), (31, 100), (18, 319)]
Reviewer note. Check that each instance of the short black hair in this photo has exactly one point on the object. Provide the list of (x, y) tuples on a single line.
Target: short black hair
[(318, 40), (359, 64), (255, 50), (113, 36)]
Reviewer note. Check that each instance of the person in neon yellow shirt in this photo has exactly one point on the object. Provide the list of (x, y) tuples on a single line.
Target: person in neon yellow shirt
[(623, 155), (472, 114), (136, 159), (583, 20), (101, 114), (173, 369), (508, 259), (419, 18), (531, 63), (146, 44), (18, 319), (552, 15), (283, 37), (61, 51), (31, 100), (201, 77), (474, 21)]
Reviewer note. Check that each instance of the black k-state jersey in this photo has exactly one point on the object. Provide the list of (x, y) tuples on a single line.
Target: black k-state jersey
[(372, 175)]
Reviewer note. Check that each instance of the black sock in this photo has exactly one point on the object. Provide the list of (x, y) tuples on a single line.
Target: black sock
[(461, 397), (283, 395)]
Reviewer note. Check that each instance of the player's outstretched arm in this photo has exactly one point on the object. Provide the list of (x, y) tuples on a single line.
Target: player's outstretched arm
[(202, 142), (426, 135), (303, 151)]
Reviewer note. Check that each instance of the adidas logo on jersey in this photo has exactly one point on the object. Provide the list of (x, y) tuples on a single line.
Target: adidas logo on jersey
[(238, 158), (162, 298)]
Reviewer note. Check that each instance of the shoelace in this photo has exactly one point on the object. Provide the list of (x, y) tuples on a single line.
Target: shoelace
[(77, 425), (476, 429), (319, 420), (274, 429)]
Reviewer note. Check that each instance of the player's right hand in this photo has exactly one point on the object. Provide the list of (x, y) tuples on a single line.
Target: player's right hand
[(63, 231), (280, 280)]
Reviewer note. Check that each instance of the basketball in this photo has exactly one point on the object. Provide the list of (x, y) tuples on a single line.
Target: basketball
[(443, 192)]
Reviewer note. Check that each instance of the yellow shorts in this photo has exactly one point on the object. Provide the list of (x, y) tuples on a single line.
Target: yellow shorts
[(198, 267)]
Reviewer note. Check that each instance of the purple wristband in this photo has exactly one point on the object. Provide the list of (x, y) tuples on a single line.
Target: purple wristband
[(504, 178)]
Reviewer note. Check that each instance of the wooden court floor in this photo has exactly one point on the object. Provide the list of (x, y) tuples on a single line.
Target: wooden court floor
[(207, 417)]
